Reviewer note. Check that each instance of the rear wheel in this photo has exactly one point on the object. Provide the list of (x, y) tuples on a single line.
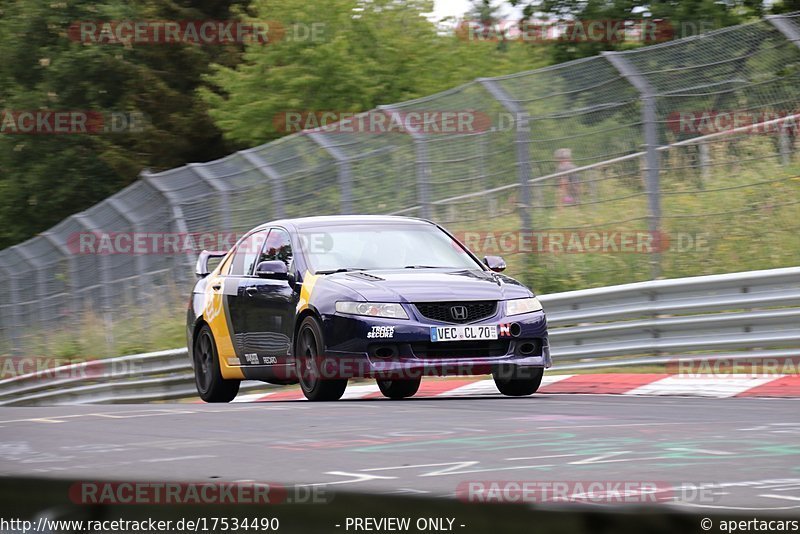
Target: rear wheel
[(309, 351), (207, 375), (517, 381), (399, 389)]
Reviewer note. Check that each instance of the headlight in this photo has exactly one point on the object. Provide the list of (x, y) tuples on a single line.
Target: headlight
[(373, 309), (518, 306)]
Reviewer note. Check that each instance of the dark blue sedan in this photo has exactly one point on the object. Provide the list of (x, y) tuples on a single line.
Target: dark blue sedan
[(320, 300)]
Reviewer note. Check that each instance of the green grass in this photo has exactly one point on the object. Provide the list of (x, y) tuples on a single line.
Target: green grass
[(745, 217), (127, 331)]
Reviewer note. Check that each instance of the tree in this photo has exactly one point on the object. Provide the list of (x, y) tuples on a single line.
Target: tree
[(45, 178), (366, 53), (786, 6), (683, 19)]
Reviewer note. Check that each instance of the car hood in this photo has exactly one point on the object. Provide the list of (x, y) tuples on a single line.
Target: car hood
[(430, 285)]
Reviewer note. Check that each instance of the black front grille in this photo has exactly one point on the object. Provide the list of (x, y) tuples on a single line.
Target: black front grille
[(457, 312), (460, 349)]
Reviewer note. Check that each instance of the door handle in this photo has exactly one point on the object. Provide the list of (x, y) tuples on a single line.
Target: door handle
[(252, 290), (216, 286)]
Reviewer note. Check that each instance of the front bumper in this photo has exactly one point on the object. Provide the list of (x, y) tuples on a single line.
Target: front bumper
[(389, 348)]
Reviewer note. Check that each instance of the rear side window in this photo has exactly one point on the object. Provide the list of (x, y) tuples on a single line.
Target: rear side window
[(244, 259)]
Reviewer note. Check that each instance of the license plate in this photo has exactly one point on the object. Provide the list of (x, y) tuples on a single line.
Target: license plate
[(463, 333)]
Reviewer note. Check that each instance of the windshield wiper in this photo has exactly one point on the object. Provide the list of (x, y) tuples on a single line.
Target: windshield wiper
[(342, 270), (351, 269)]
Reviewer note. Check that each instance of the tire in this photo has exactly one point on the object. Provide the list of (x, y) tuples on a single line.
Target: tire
[(399, 389), (514, 381), (207, 375), (309, 349)]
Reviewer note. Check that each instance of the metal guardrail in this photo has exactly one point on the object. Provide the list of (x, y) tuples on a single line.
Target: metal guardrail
[(752, 314), (749, 314), (153, 376)]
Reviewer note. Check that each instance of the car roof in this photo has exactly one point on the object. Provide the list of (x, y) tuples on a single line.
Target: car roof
[(339, 220)]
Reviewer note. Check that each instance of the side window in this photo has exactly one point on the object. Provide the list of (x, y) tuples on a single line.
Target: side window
[(277, 247), (246, 253)]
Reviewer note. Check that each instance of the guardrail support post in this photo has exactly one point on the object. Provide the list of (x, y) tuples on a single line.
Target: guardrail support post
[(650, 124)]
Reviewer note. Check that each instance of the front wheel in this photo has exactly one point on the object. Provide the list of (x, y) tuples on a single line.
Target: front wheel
[(399, 389), (516, 381), (309, 352), (207, 375)]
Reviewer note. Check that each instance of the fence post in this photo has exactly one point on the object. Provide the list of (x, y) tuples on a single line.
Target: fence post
[(64, 249), (785, 144), (220, 189), (345, 170), (650, 124), (10, 320), (792, 33), (789, 30), (105, 281), (41, 286), (423, 170), (521, 146), (178, 218), (278, 195), (120, 208), (704, 158)]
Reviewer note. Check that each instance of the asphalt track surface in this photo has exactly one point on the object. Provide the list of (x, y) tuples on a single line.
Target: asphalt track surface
[(745, 452)]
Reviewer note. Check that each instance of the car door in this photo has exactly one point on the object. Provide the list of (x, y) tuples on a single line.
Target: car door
[(268, 306), (238, 279)]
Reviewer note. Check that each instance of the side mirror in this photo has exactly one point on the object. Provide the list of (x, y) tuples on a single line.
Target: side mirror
[(495, 263), (274, 269)]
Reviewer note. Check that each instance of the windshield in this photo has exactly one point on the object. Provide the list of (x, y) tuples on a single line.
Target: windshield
[(383, 247)]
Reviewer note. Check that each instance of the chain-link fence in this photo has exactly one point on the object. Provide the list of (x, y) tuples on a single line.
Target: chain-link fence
[(671, 160)]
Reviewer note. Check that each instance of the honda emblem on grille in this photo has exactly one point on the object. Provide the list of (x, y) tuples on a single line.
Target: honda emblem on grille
[(459, 313)]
